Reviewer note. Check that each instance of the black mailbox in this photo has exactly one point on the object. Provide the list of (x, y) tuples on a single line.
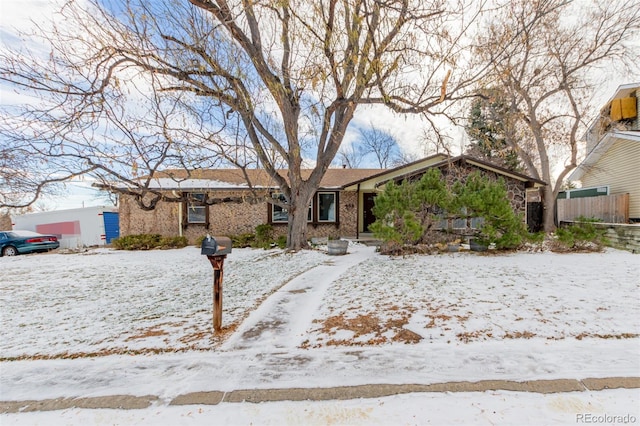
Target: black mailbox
[(215, 246)]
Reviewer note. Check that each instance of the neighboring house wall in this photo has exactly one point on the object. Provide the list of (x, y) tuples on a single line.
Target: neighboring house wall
[(618, 168)]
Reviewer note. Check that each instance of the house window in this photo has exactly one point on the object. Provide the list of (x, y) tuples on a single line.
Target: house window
[(196, 208), (439, 218), (477, 222), (196, 214), (280, 214), (461, 222), (440, 222), (326, 206)]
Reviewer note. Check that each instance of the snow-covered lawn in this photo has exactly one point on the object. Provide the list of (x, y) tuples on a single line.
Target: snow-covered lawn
[(139, 323), (106, 302), (468, 297), (113, 302)]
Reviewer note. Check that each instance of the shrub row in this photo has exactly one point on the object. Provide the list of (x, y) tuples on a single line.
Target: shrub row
[(261, 238), (148, 242), (581, 235)]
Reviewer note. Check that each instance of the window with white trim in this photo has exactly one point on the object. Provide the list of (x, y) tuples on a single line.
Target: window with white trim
[(326, 206), (280, 214), (196, 209)]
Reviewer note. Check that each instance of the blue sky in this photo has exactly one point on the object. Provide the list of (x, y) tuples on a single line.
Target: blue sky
[(17, 15)]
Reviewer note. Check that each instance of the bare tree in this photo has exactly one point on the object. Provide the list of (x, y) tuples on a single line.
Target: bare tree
[(381, 144), (371, 142), (24, 178), (549, 56), (351, 156), (131, 87), (404, 158)]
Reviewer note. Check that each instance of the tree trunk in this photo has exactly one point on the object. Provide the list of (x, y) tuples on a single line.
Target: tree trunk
[(297, 226), (549, 209), (297, 230)]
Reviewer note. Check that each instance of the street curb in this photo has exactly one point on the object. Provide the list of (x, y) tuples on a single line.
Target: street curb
[(130, 402), (126, 402)]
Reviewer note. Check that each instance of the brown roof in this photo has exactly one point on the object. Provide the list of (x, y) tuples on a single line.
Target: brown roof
[(333, 178)]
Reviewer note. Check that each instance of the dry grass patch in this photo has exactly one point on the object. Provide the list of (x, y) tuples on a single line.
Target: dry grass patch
[(368, 329), (608, 336), (470, 336), (519, 335), (143, 334)]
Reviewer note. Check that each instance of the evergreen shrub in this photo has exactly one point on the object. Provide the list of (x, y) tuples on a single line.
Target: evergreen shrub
[(580, 235), (407, 212), (148, 242)]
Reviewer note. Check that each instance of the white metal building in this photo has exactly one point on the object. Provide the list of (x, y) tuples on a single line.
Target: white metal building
[(84, 227)]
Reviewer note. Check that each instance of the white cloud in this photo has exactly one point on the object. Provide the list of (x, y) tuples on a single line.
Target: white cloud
[(19, 14)]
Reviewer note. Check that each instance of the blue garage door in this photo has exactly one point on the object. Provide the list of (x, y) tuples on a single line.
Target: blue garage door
[(111, 226)]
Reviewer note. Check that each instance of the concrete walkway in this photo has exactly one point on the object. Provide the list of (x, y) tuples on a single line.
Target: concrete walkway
[(280, 322), (130, 402)]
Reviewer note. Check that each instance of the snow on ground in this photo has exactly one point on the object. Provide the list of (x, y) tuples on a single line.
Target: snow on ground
[(487, 408), (466, 297), (356, 319), (106, 301)]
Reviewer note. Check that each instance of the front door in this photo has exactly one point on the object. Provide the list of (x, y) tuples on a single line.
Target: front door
[(367, 210), (111, 226)]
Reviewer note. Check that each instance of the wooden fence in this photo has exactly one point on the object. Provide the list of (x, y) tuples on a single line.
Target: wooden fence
[(608, 208)]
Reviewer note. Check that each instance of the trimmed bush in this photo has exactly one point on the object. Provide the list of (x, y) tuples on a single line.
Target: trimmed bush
[(173, 242), (580, 235), (243, 240), (406, 213), (148, 242), (281, 242), (264, 236)]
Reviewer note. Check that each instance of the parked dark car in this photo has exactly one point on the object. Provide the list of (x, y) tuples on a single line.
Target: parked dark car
[(13, 243)]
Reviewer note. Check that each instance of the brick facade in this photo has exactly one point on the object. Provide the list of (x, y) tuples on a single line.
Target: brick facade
[(233, 218), (162, 220), (5, 222), (226, 219)]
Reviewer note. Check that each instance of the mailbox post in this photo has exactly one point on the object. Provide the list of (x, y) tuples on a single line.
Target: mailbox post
[(216, 250)]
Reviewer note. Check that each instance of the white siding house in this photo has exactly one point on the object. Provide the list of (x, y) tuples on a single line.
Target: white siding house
[(613, 153)]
